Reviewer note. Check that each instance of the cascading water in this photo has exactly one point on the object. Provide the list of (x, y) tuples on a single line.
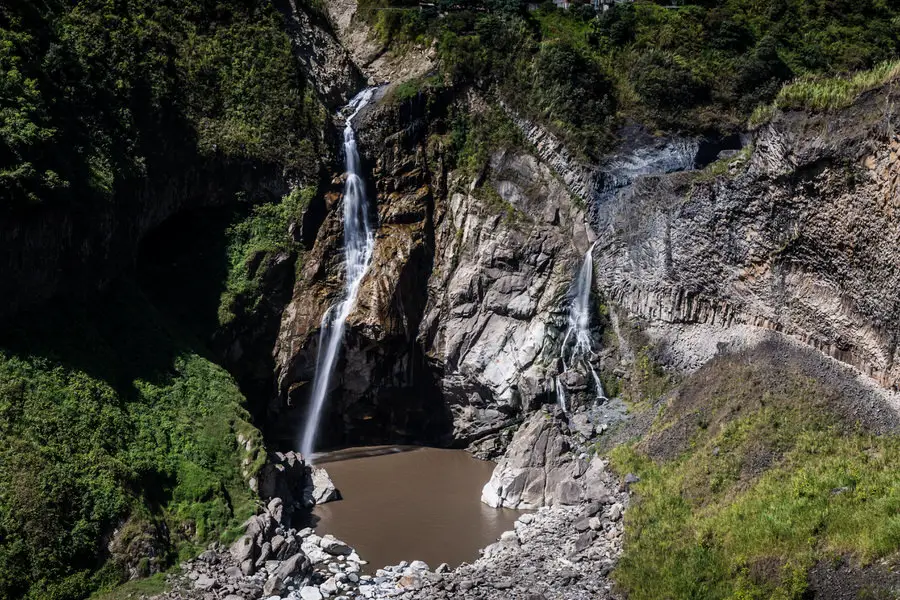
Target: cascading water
[(358, 245), (578, 333)]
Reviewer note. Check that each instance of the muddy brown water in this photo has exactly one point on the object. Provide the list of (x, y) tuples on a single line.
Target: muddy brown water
[(411, 504)]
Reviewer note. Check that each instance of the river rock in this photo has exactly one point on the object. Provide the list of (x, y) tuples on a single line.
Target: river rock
[(329, 587), (274, 585), (333, 546), (323, 489), (297, 565), (309, 592)]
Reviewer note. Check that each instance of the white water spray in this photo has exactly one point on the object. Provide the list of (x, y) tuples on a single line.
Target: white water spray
[(358, 244), (578, 333)]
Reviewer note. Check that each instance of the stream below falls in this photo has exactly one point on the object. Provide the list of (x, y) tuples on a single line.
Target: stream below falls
[(410, 503)]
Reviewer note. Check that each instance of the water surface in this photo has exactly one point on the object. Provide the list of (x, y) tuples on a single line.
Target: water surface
[(411, 504)]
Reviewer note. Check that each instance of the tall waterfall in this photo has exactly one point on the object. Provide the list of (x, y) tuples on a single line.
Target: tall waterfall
[(577, 345), (358, 244)]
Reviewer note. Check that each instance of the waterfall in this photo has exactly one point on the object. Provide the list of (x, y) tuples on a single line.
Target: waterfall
[(578, 332), (358, 244)]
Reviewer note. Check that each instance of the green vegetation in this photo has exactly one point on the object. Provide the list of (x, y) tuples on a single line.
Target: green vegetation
[(136, 589), (411, 88), (97, 97), (249, 240), (698, 67), (751, 478), (109, 419), (474, 137), (813, 93)]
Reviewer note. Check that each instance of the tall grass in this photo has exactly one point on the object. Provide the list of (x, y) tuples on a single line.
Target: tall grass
[(826, 93)]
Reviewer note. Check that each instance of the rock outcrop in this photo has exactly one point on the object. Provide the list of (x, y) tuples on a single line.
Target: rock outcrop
[(458, 321), (381, 62), (324, 61), (799, 238), (539, 469)]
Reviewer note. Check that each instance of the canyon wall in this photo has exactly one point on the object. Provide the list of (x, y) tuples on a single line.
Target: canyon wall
[(458, 321), (800, 237)]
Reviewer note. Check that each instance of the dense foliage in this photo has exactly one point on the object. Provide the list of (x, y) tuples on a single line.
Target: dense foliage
[(96, 95), (696, 66), (108, 414)]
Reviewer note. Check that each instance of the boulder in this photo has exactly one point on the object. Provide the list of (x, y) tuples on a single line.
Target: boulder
[(323, 489), (283, 476), (205, 583), (248, 567), (264, 552), (274, 586), (243, 549), (310, 593), (334, 547), (298, 565), (329, 587)]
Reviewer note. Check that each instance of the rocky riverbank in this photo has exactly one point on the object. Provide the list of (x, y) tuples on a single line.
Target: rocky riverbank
[(563, 550)]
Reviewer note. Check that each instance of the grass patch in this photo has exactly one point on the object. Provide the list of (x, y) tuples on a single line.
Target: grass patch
[(412, 88), (136, 589), (763, 482), (473, 138), (816, 93)]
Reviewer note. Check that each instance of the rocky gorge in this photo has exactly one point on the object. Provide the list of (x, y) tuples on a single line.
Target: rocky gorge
[(732, 300)]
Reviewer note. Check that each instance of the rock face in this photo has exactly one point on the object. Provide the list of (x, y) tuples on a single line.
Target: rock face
[(540, 470), (376, 58), (56, 248), (458, 320), (800, 238), (324, 61)]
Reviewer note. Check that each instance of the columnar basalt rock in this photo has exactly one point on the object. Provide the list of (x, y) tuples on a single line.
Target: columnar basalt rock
[(800, 238)]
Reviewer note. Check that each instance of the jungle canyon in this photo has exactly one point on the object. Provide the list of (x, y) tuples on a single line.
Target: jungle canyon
[(640, 258)]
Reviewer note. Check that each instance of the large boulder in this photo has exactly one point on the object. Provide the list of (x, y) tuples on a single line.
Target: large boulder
[(539, 470), (323, 489)]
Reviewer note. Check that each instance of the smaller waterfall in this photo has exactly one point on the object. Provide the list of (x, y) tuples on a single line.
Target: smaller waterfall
[(577, 345), (358, 246)]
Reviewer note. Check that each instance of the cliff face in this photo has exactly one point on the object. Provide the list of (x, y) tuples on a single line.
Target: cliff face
[(77, 251), (321, 57), (458, 320), (800, 238)]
